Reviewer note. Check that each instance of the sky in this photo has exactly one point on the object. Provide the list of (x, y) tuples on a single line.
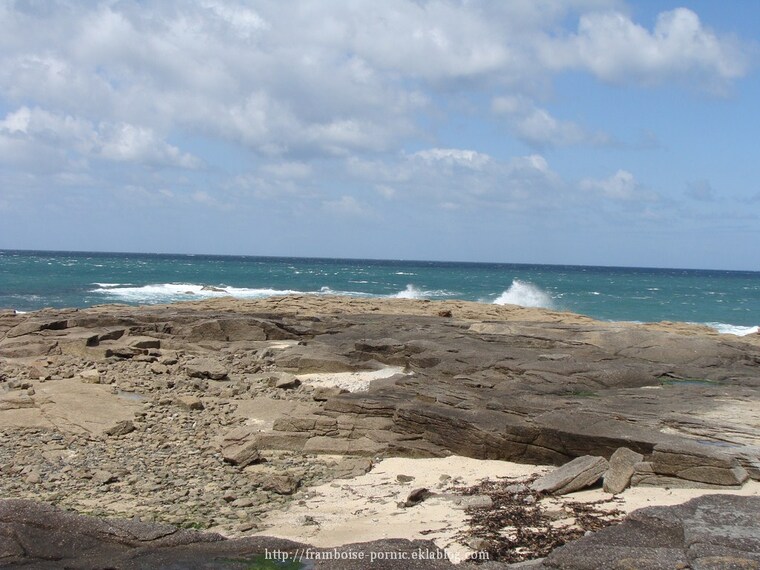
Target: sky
[(592, 132)]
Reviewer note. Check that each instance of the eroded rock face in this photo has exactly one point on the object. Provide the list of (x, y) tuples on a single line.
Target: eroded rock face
[(486, 382), (622, 466), (720, 532), (35, 535), (578, 474)]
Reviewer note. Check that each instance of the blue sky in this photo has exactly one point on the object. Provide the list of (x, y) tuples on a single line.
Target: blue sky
[(595, 132)]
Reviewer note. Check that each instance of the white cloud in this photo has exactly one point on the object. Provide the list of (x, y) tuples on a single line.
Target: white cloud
[(288, 170), (132, 143), (461, 178), (35, 130), (539, 128), (346, 206), (621, 186), (306, 79), (454, 156), (616, 49), (385, 191)]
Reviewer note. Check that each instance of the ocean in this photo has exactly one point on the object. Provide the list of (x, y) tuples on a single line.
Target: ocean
[(729, 301)]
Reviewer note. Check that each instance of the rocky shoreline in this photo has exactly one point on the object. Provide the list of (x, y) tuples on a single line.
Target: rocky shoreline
[(220, 414)]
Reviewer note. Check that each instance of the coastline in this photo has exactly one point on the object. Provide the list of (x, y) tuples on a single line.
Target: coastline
[(243, 416)]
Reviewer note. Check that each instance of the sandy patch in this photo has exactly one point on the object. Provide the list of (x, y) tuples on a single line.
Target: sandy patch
[(262, 411), (366, 508)]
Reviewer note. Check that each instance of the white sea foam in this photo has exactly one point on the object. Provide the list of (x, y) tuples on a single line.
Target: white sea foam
[(169, 292), (524, 294), (413, 292), (165, 292), (733, 329)]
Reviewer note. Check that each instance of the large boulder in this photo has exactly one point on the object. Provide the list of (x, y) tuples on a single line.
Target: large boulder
[(622, 466), (206, 368), (716, 532), (578, 474), (241, 446)]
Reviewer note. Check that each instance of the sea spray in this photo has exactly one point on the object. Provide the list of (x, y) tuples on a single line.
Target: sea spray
[(411, 292), (524, 294)]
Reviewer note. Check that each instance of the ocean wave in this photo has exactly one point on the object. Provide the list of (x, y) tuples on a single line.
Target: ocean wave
[(166, 292), (737, 330), (170, 292), (526, 295), (413, 292)]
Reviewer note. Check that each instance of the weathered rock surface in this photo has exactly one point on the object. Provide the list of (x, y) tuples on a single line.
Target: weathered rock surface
[(578, 474), (716, 532), (206, 368), (692, 462), (35, 535), (498, 382), (489, 381), (241, 447), (719, 532), (622, 466)]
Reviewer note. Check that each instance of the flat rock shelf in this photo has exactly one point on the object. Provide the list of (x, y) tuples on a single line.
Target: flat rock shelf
[(224, 414)]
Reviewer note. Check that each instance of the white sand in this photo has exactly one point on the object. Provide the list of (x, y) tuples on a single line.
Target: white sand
[(365, 508)]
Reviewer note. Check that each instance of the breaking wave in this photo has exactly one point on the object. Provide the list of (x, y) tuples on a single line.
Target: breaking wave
[(167, 292), (413, 292), (172, 292), (733, 329), (526, 295)]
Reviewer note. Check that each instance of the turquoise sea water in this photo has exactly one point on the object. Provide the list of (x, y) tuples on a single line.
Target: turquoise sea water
[(727, 300)]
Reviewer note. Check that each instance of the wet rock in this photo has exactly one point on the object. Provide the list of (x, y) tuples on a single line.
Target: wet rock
[(578, 474), (416, 497)]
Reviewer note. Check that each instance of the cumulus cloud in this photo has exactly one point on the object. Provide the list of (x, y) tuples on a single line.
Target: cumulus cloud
[(453, 156), (346, 206), (308, 79), (621, 186), (35, 130), (537, 127), (462, 178), (325, 102), (614, 48)]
